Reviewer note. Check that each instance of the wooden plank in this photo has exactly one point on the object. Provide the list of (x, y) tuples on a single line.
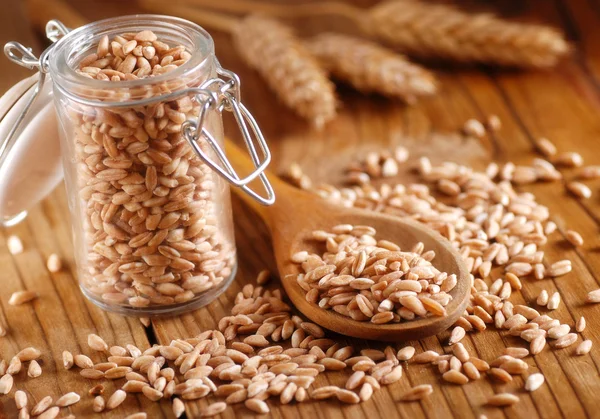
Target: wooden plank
[(562, 105)]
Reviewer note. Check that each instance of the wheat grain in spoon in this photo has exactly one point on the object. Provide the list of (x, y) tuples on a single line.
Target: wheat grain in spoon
[(296, 214)]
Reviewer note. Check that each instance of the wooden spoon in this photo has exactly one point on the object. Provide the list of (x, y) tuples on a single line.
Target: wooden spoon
[(297, 213)]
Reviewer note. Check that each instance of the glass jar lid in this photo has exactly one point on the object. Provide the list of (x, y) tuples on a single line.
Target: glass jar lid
[(30, 161)]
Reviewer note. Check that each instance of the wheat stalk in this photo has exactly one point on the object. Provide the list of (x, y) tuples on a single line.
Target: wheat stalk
[(272, 49), (371, 68), (440, 31), (429, 30)]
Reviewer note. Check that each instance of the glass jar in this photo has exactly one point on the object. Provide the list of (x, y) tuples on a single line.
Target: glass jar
[(150, 206)]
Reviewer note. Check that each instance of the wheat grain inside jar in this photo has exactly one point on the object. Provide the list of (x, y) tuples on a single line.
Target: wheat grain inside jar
[(140, 102)]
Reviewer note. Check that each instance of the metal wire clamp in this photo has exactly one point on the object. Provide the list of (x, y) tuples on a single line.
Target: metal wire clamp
[(217, 94)]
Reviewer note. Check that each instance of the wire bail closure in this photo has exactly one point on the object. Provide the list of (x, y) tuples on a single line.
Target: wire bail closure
[(218, 94)]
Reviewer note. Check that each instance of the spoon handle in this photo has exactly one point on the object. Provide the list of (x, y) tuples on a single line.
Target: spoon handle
[(244, 165)]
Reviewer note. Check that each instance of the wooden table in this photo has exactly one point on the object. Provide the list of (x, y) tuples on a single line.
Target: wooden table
[(563, 105)]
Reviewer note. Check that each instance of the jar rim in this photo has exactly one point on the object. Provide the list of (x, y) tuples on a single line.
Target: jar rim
[(67, 79)]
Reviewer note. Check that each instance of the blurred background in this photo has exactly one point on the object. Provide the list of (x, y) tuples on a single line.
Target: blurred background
[(402, 69), (427, 40)]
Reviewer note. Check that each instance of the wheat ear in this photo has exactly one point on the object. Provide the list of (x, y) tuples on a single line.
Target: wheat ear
[(272, 49), (428, 30), (371, 68), (440, 31)]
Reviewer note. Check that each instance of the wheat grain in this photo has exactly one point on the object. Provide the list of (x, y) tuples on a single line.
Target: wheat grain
[(134, 386), (263, 277), (14, 366), (97, 343), (116, 399), (500, 375), (542, 298), (574, 238), (50, 413), (493, 123), (68, 399), (460, 352), (455, 377), (91, 374), (454, 364), (54, 264), (6, 383), (584, 347), (471, 371), (474, 128), (554, 301), (503, 399), (569, 159), (406, 353), (83, 361), (557, 332), (426, 357), (534, 381), (14, 244), (393, 376), (347, 396), (98, 404), (560, 268), (179, 407), (22, 297), (155, 395), (34, 370), (579, 190), (514, 281), (480, 364), (528, 312), (546, 147), (516, 352), (257, 406), (20, 399), (24, 355), (565, 341), (580, 325), (589, 172), (593, 296), (67, 358), (41, 406), (514, 366)]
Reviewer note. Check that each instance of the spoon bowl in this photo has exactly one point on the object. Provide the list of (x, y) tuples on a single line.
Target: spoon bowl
[(296, 214)]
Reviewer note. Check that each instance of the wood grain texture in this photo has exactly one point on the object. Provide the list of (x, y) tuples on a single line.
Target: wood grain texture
[(563, 105)]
